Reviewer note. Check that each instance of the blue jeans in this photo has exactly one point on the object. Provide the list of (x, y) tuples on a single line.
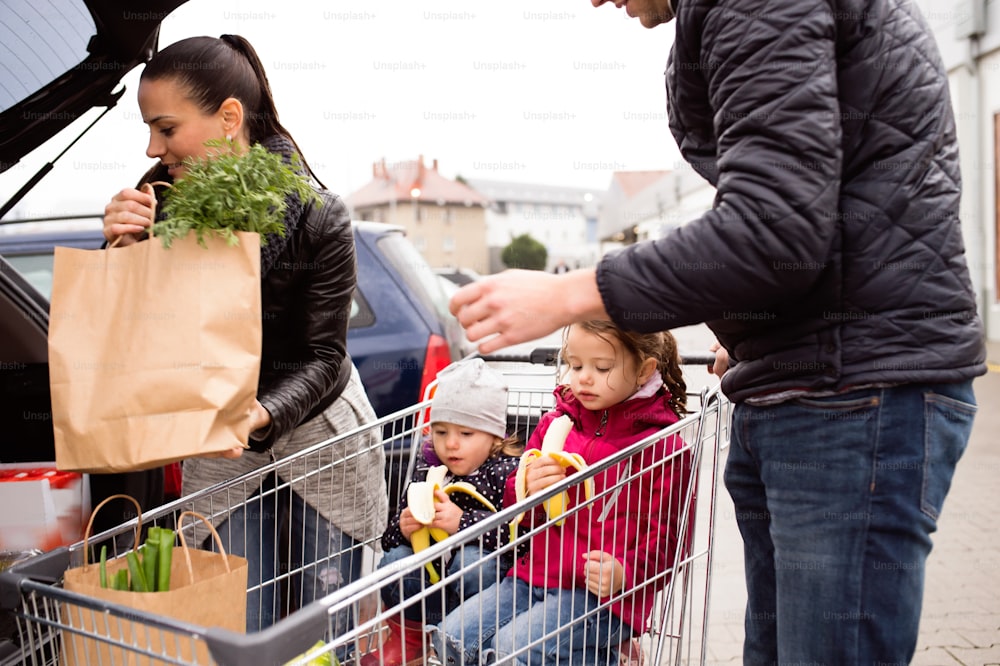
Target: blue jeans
[(511, 618), (836, 499), (415, 583), (281, 532)]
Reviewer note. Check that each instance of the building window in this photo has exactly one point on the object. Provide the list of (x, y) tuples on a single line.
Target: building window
[(448, 243)]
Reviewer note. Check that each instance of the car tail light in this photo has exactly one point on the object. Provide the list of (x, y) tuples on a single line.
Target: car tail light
[(437, 358)]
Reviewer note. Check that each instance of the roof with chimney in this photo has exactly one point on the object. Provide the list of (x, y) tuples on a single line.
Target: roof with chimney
[(632, 182), (412, 180)]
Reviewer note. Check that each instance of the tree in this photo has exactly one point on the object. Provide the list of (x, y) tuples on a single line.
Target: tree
[(525, 252)]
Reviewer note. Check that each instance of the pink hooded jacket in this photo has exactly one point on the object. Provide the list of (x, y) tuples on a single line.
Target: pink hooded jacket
[(636, 522)]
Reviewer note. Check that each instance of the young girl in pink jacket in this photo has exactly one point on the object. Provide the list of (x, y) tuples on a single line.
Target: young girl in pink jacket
[(584, 587)]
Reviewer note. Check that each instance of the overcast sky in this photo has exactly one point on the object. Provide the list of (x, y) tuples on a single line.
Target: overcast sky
[(545, 91)]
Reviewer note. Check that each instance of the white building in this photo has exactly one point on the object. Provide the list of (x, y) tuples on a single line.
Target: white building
[(968, 33), (644, 205), (563, 219)]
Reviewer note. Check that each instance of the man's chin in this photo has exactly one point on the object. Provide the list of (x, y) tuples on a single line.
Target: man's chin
[(653, 20)]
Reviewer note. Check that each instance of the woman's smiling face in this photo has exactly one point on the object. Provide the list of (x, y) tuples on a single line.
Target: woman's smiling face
[(178, 128)]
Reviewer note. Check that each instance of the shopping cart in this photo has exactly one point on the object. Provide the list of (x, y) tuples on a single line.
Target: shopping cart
[(350, 621)]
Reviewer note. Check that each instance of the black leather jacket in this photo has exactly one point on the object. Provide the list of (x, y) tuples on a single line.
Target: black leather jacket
[(833, 255), (306, 305)]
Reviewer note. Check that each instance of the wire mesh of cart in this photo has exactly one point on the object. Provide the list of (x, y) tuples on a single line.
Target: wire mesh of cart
[(349, 618)]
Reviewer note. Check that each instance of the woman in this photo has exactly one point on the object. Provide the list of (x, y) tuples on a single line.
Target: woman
[(200, 89)]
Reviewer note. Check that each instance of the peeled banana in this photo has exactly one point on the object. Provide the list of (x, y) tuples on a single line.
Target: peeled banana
[(552, 446), (420, 499)]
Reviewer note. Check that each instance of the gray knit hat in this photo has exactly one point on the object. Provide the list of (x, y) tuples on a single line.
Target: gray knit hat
[(472, 394)]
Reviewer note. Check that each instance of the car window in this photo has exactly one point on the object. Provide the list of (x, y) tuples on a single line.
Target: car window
[(64, 27), (408, 261), (361, 313), (36, 269)]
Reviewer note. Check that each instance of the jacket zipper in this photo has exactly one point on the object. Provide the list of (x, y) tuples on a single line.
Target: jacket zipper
[(610, 502), (601, 429), (603, 425), (597, 433)]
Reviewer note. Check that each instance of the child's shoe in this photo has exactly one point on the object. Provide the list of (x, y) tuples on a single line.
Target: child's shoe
[(630, 653), (404, 640)]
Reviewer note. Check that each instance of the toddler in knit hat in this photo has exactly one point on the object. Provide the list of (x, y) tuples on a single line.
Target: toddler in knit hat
[(472, 394), (467, 443)]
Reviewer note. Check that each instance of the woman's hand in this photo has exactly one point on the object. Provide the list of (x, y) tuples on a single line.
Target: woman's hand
[(260, 418), (604, 574), (129, 214), (228, 454)]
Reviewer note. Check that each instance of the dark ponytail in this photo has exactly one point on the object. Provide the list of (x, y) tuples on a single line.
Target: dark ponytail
[(215, 69)]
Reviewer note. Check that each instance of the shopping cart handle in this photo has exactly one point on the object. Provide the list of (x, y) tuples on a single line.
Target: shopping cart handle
[(550, 356), (276, 644), (698, 358), (537, 356), (544, 355), (45, 568)]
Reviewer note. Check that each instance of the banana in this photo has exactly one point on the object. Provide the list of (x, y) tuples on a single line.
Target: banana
[(420, 499), (552, 446)]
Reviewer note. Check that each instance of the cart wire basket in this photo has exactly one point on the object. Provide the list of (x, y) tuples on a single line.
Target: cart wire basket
[(322, 616)]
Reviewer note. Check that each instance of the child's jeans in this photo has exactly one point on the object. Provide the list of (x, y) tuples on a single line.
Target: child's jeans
[(533, 625), (415, 583)]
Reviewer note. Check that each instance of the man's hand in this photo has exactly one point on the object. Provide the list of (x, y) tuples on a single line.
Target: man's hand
[(721, 360), (518, 305)]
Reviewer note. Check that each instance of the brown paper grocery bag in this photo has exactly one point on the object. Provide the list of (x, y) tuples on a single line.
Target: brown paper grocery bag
[(154, 353), (207, 589)]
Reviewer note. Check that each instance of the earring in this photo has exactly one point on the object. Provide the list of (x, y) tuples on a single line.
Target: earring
[(229, 137)]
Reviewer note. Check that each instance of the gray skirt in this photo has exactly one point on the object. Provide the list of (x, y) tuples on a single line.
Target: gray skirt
[(344, 482)]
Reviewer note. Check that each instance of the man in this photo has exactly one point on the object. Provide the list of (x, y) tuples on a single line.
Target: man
[(831, 268)]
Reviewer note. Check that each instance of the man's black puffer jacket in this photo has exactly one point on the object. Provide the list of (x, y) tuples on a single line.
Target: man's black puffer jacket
[(833, 255)]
